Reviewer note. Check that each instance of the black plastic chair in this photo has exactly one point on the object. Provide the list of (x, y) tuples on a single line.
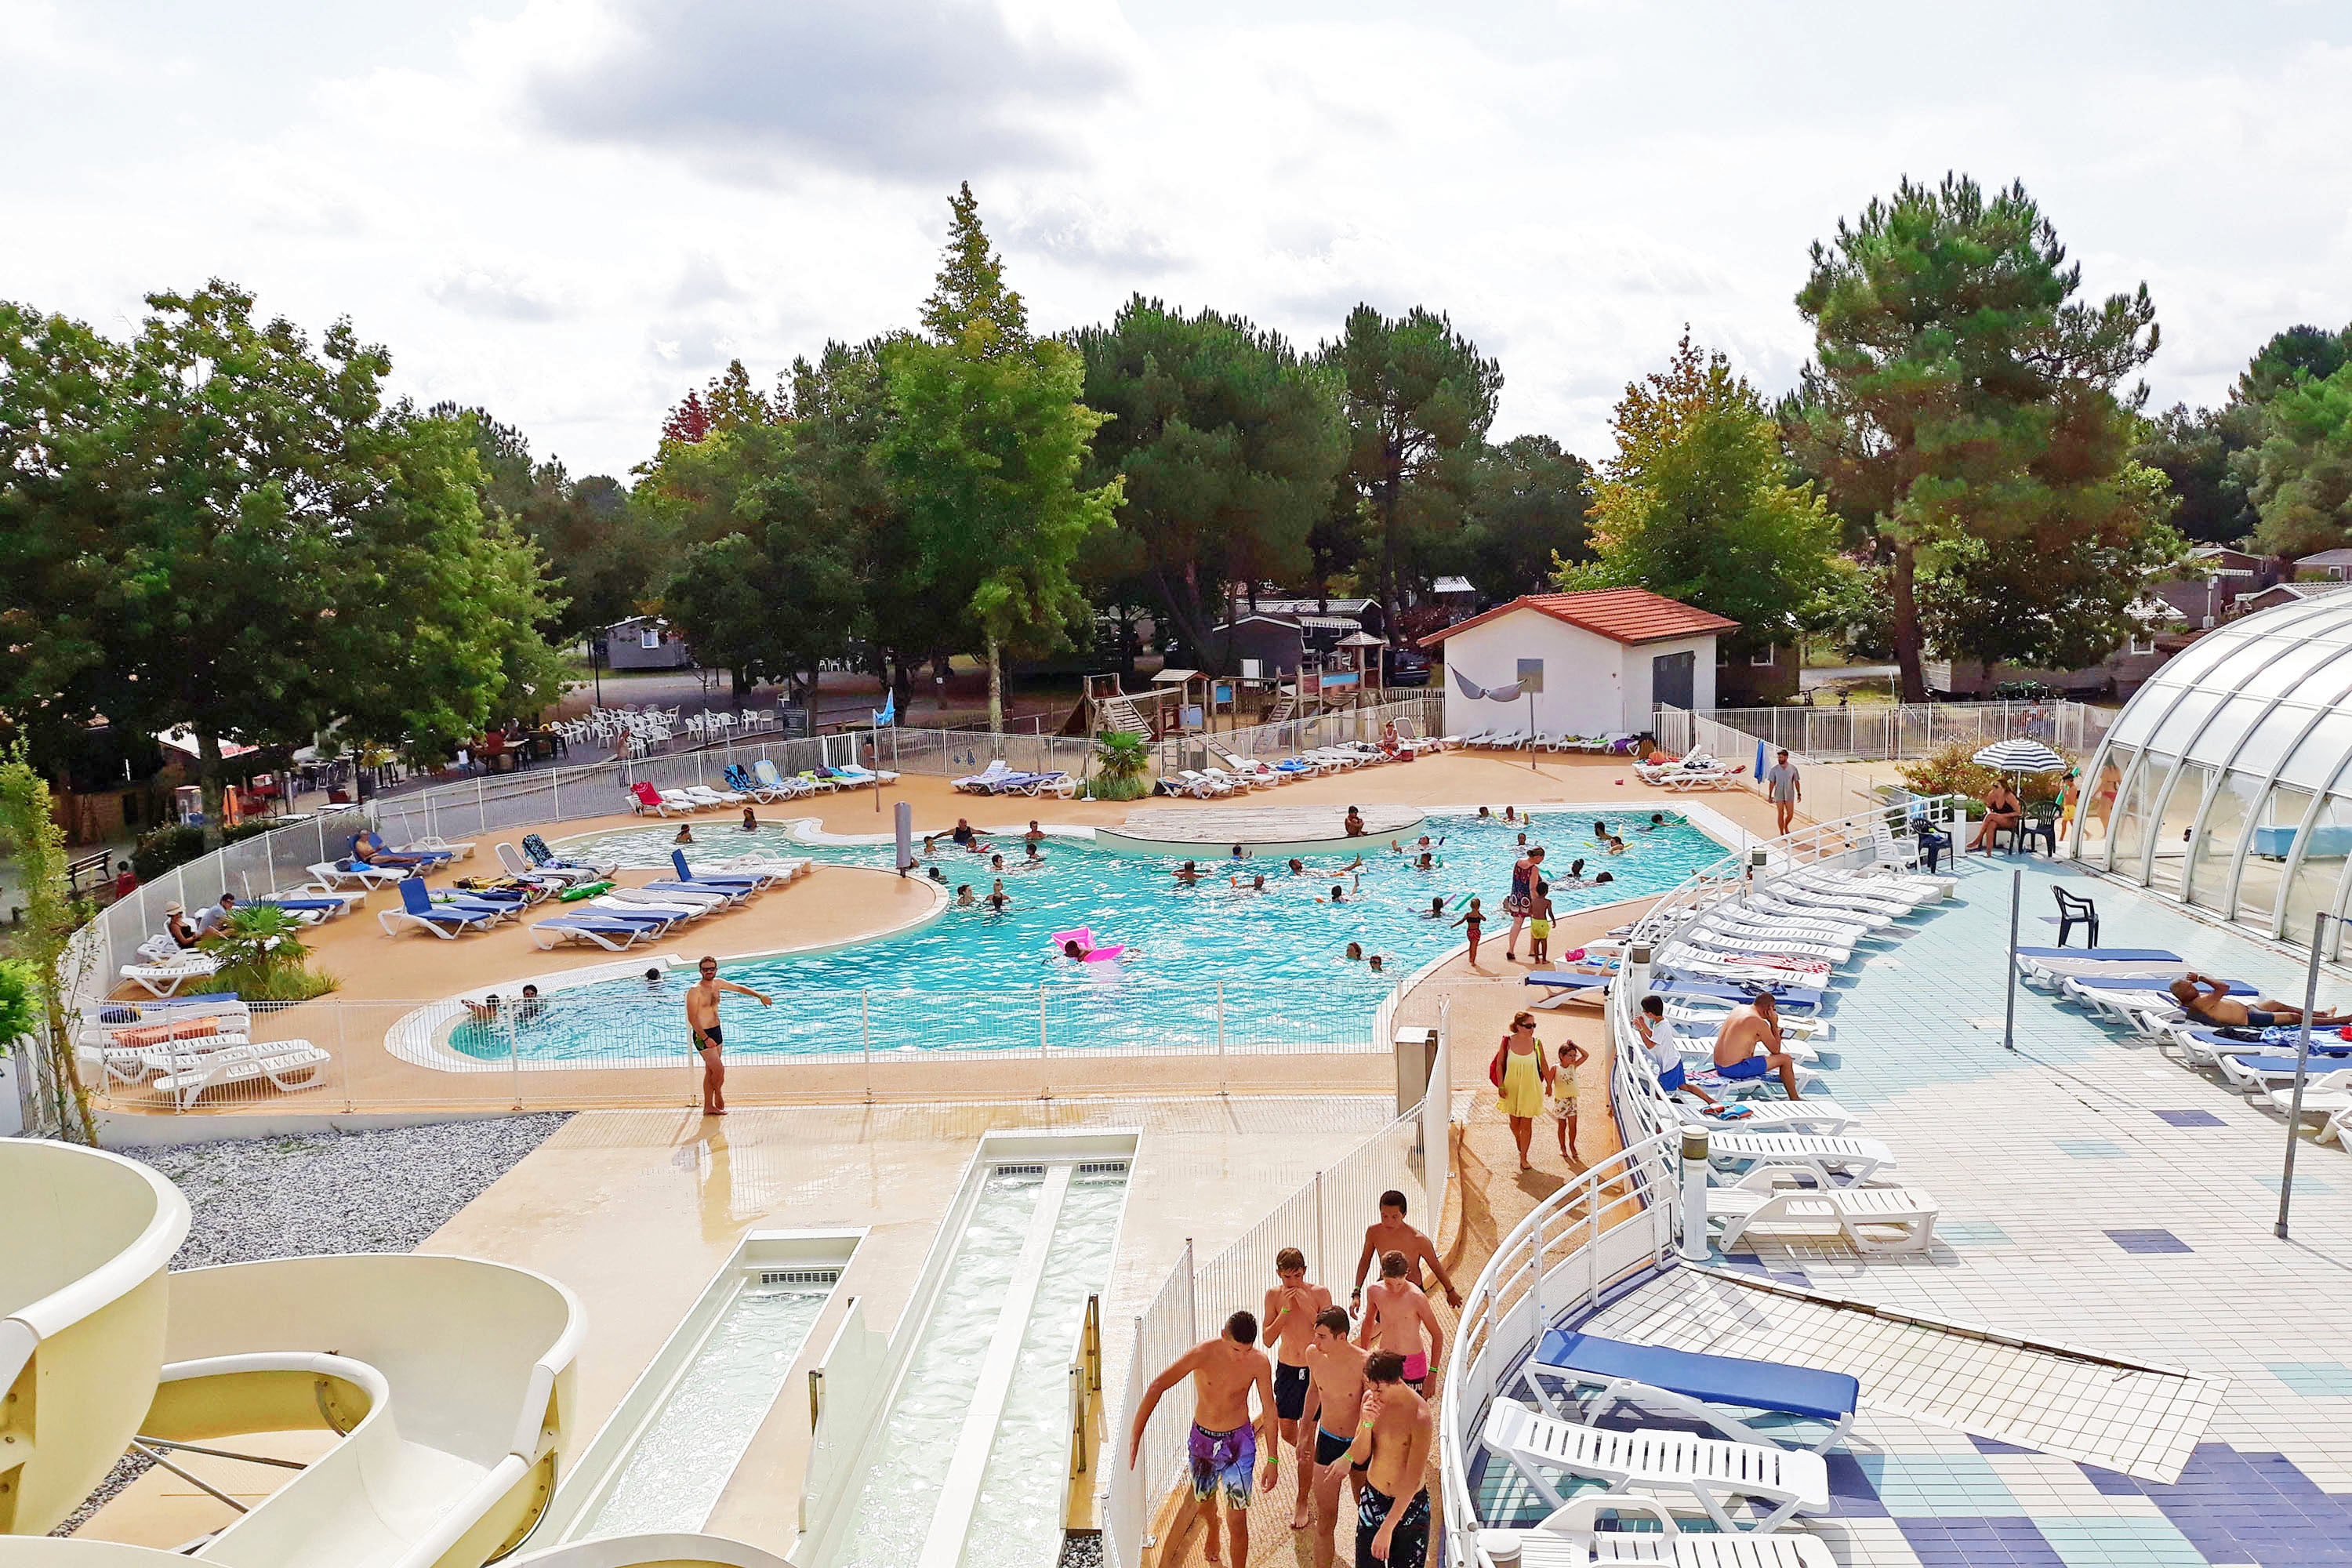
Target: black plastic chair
[(2074, 910)]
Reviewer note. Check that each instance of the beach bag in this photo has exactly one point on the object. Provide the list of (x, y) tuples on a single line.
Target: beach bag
[(1495, 1067)]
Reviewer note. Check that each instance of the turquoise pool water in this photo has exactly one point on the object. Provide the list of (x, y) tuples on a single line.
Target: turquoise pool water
[(969, 979)]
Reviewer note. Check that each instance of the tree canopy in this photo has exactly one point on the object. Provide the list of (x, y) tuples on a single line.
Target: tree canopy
[(1226, 443), (988, 443), (1530, 511), (1698, 504), (1420, 399), (215, 525), (1963, 410), (2301, 472)]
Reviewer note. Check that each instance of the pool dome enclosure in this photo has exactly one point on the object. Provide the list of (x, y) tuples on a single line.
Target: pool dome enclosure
[(2226, 782)]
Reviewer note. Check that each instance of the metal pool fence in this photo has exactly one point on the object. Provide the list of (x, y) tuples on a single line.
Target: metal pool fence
[(1892, 732), (878, 1042)]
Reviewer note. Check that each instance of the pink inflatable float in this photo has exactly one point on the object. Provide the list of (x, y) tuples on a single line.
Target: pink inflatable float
[(1087, 952)]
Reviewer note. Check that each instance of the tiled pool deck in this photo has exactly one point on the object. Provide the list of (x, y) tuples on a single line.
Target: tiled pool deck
[(2099, 1194)]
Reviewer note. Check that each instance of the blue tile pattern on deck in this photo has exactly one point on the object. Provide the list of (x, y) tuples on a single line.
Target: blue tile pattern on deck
[(2191, 1119), (2148, 1242), (1998, 1542), (1937, 1485), (2231, 1508), (2315, 1379)]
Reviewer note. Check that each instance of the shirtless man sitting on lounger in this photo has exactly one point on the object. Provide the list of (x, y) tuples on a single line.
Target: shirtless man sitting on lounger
[(2217, 1008), (1750, 1045)]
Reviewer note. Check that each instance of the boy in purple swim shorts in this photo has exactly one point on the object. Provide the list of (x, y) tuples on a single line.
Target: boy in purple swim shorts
[(1225, 1444)]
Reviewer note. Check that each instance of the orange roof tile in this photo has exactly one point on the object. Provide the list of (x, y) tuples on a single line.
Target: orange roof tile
[(1622, 615)]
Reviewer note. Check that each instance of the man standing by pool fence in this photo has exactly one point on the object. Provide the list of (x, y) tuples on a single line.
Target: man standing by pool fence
[(702, 1029), (1225, 1449), (1784, 789)]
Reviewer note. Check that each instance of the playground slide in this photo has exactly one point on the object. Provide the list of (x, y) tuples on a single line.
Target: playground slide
[(84, 1241)]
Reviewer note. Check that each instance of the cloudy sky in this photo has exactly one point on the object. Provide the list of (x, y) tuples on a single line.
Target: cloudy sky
[(569, 211)]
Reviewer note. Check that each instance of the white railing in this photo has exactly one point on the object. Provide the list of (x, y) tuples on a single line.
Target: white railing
[(1883, 731), (1616, 1221)]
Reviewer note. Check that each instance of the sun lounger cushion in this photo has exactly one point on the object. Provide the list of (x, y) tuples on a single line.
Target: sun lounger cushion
[(2104, 955), (1714, 1379)]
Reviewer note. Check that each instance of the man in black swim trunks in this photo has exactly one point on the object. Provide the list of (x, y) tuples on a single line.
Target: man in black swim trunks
[(1335, 1368), (702, 1027), (1393, 1439)]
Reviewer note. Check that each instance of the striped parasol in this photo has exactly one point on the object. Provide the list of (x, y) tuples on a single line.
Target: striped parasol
[(2020, 755)]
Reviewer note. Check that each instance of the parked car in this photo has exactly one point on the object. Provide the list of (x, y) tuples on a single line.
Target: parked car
[(1404, 666)]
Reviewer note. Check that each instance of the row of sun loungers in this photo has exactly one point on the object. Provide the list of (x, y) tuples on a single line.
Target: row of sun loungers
[(1798, 1171), (620, 918)]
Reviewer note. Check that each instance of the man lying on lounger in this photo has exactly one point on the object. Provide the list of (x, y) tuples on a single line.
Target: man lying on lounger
[(1750, 1045), (2217, 1008)]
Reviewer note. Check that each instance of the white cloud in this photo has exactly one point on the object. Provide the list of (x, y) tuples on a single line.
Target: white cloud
[(571, 210)]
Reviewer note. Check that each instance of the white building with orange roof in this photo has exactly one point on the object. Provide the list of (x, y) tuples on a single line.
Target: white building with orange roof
[(1578, 664)]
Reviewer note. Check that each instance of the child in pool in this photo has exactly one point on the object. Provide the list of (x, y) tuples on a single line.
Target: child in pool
[(685, 834), (1436, 909), (1188, 875), (1355, 952), (1472, 919), (964, 900), (750, 823)]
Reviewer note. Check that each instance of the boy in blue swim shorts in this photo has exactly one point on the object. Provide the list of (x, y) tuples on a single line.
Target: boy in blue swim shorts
[(1226, 1445)]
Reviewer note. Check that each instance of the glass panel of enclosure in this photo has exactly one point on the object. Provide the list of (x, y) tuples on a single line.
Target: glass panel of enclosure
[(2168, 855), (2312, 884), (2215, 848), (2318, 754), (2099, 804), (2271, 740), (2269, 835), (2145, 788), (2289, 667), (2177, 729)]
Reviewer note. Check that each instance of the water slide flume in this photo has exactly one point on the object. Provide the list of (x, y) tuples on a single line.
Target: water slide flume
[(447, 1379), (84, 1241)]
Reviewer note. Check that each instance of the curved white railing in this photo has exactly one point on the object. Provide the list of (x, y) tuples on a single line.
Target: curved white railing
[(1613, 1223)]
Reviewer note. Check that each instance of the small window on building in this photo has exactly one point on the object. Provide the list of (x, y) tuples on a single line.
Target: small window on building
[(650, 638), (2140, 645), (1765, 659)]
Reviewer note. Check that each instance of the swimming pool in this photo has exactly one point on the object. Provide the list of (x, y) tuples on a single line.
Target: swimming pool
[(1205, 966)]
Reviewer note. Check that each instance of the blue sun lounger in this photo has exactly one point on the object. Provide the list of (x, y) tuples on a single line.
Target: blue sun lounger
[(1802, 998), (2104, 955), (1693, 1385), (717, 882)]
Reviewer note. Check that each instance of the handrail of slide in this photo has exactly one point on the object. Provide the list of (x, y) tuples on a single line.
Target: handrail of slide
[(85, 1237), (652, 1551)]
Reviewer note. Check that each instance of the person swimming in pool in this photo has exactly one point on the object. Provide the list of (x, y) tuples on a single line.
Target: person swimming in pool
[(1032, 858), (685, 834), (1355, 953), (1436, 911), (964, 900), (999, 900), (1188, 875), (1034, 837), (996, 862), (1297, 868), (1657, 820), (1254, 885), (750, 823), (936, 875)]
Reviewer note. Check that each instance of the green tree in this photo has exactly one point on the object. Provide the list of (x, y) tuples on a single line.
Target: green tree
[(29, 831), (2198, 455), (603, 557), (987, 448), (2299, 353), (1419, 400), (1226, 444), (215, 524), (2303, 470), (1962, 409), (1530, 510), (1697, 503)]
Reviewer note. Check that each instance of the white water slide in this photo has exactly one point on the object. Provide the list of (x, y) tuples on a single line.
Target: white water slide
[(446, 1380)]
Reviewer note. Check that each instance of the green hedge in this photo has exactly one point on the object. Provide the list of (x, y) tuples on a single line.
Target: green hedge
[(164, 847)]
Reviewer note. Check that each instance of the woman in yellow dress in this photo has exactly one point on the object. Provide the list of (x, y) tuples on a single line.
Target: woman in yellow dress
[(1523, 1073)]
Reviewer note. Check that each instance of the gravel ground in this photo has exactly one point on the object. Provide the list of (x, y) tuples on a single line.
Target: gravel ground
[(339, 1192), (332, 1192), (1082, 1551)]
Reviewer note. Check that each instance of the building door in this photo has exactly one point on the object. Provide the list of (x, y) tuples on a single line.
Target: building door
[(1672, 677)]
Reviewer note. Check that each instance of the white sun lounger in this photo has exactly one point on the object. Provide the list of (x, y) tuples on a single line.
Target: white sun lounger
[(285, 1065), (1823, 1116), (1739, 920), (1858, 916), (164, 978), (1856, 1160), (1710, 1471), (1841, 882), (1803, 896), (1870, 1219), (337, 873), (611, 935), (135, 1064), (1567, 1538), (1701, 1013)]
